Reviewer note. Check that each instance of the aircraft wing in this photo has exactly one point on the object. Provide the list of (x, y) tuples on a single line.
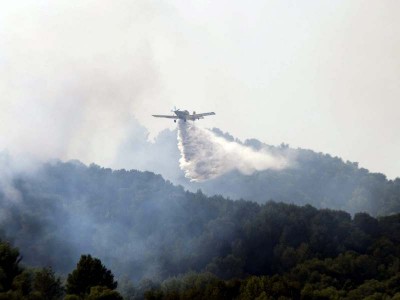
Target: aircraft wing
[(203, 114), (165, 116)]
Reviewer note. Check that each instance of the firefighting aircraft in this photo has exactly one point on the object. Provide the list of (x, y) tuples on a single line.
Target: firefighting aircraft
[(185, 115)]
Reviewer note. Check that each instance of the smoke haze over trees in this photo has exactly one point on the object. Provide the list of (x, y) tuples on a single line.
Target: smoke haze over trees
[(152, 229), (310, 178), (143, 226), (92, 201), (66, 209)]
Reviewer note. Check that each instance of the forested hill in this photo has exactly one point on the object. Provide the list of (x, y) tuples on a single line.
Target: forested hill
[(315, 178), (142, 226), (61, 210), (318, 179)]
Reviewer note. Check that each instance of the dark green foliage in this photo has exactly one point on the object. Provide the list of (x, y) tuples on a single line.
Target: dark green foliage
[(195, 286), (89, 273), (173, 231), (22, 283), (32, 284), (9, 268), (142, 225), (72, 297), (103, 293), (271, 251), (348, 276), (367, 224), (47, 285), (334, 257), (67, 209)]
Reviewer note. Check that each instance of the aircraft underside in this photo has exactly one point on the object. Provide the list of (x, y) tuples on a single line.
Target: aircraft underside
[(185, 115)]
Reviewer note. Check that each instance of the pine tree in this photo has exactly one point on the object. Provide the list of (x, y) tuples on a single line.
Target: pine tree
[(89, 272)]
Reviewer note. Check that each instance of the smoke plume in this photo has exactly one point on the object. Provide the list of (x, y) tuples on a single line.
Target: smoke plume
[(205, 156), (73, 74)]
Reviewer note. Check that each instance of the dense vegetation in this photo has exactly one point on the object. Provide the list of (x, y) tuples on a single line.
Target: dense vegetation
[(90, 280), (371, 270), (142, 227), (285, 252)]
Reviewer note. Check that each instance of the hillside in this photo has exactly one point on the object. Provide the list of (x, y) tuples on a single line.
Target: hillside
[(314, 178), (144, 226)]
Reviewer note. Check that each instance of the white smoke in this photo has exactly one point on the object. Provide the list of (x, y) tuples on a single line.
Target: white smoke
[(74, 73), (205, 156)]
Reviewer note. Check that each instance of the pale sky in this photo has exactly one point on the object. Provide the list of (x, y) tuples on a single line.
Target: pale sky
[(322, 75)]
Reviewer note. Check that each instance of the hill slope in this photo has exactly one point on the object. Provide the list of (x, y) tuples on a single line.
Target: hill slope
[(315, 178), (143, 226)]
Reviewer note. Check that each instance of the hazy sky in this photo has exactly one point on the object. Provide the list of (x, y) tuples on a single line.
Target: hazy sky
[(323, 75)]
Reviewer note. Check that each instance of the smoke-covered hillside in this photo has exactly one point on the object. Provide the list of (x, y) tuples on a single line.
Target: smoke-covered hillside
[(238, 172), (143, 226)]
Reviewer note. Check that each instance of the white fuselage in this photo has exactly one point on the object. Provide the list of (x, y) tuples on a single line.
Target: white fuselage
[(185, 115)]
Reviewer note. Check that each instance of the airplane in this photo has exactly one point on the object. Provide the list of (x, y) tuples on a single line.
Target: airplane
[(185, 115)]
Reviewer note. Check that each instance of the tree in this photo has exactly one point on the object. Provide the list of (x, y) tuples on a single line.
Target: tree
[(89, 273), (367, 224), (103, 293), (22, 284), (9, 269), (47, 285)]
